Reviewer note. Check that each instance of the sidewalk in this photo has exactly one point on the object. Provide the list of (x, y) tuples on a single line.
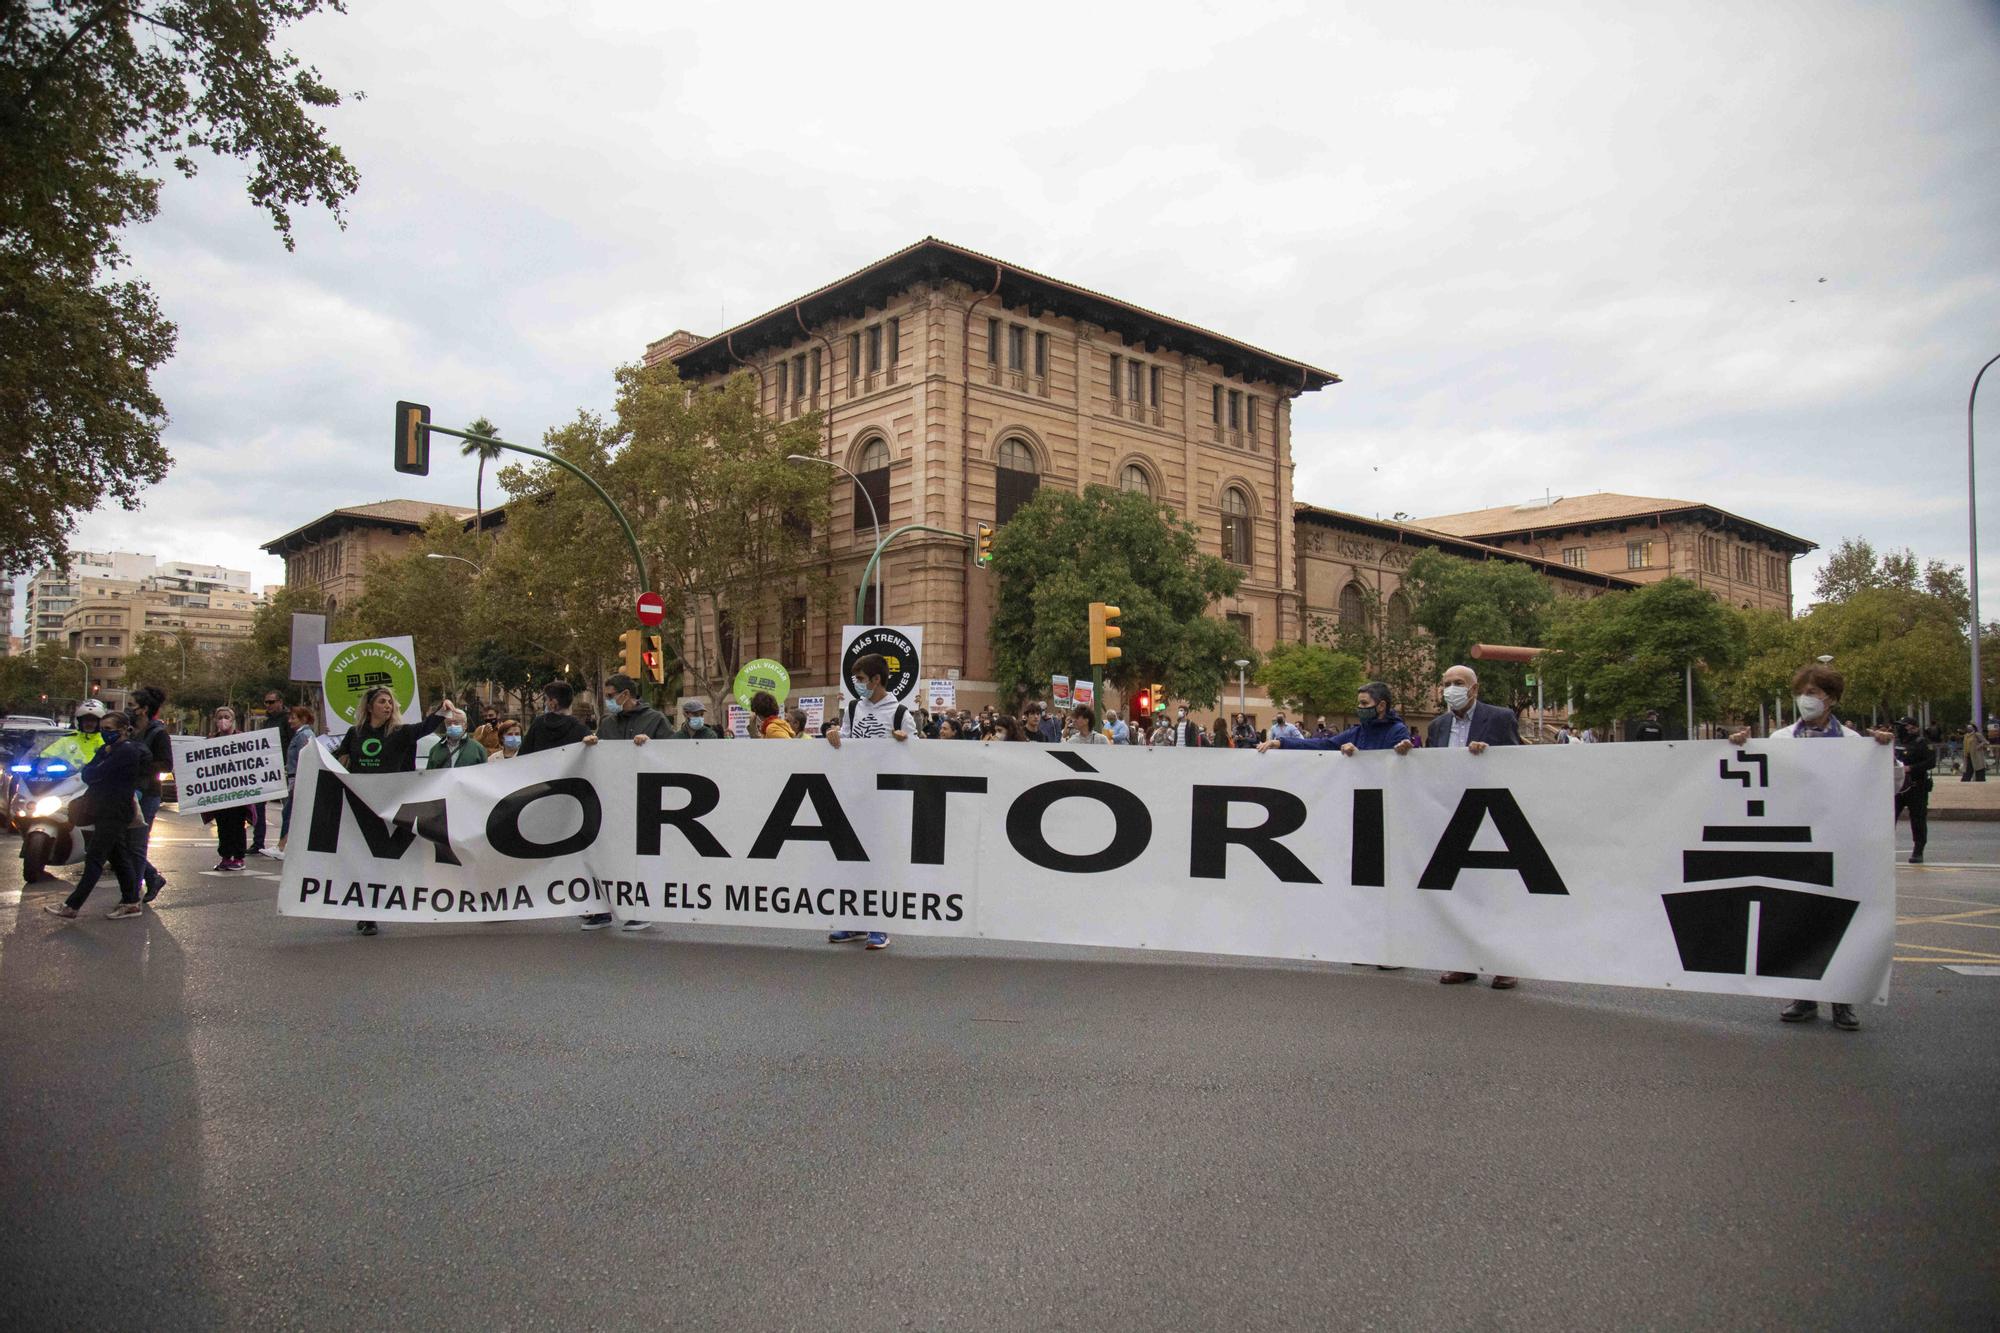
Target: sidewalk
[(1952, 799)]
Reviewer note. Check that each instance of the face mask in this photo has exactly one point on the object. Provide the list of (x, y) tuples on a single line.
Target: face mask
[(1366, 714), (1455, 697), (510, 742), (1182, 715), (225, 726), (860, 686), (1811, 707), (454, 732), (612, 708)]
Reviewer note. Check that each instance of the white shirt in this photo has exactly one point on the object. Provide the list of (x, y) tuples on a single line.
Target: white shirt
[(873, 720), (1461, 729)]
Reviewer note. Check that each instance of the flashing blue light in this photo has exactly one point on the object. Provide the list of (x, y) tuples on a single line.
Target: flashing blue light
[(20, 768), (58, 768)]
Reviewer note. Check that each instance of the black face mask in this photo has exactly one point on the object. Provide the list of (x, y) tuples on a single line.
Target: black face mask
[(1367, 714)]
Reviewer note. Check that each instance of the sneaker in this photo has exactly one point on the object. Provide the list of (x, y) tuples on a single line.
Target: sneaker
[(846, 936), (877, 940), (364, 927), (1916, 858), (1505, 983), (633, 927), (63, 910), (271, 852), (126, 910), (1456, 978), (595, 921), (1844, 1019), (153, 889), (1798, 1011)]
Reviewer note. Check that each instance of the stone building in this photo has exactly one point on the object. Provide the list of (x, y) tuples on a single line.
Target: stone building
[(331, 553), (955, 385), (1644, 539)]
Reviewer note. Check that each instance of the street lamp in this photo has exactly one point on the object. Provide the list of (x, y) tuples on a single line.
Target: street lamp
[(1242, 685), (439, 555), (1972, 534), (881, 610), (86, 673)]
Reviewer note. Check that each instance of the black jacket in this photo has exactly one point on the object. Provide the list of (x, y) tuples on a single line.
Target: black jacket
[(367, 750), (1491, 725), (114, 775), (644, 720), (551, 731)]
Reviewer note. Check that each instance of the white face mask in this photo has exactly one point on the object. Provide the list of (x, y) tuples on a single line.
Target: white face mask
[(1811, 707), (1455, 697), (860, 685)]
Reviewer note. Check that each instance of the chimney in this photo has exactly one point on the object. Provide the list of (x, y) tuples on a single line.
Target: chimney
[(671, 346)]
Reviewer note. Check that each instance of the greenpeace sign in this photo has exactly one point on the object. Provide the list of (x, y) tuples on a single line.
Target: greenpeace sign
[(1686, 865)]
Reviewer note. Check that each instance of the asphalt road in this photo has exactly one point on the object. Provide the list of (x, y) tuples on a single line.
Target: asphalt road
[(213, 1117)]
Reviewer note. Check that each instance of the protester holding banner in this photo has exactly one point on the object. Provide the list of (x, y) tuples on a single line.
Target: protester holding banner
[(874, 715), (457, 749), (232, 839), (1379, 728), (380, 742), (302, 736), (554, 727), (627, 715), (1474, 727), (113, 778)]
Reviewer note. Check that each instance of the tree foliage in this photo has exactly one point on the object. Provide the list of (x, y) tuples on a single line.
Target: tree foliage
[(1855, 568), (1061, 551), (96, 98), (433, 601), (1310, 679), (1399, 655), (1464, 602), (1625, 652)]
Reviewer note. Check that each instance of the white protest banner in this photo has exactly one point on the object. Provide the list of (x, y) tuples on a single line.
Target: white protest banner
[(1083, 693), (940, 696), (1681, 865), (217, 772), (900, 646), (349, 670), (739, 720), (814, 707), (1059, 692)]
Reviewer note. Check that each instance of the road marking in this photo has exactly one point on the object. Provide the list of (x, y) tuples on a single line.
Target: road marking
[(1933, 898), (1969, 955), (1950, 917), (1950, 865), (1976, 970)]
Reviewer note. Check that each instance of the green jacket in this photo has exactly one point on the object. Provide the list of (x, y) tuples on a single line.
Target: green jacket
[(469, 752)]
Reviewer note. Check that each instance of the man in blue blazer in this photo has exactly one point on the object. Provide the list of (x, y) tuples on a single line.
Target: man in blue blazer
[(1469, 724)]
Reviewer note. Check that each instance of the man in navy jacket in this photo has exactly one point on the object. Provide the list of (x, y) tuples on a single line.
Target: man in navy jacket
[(1471, 725)]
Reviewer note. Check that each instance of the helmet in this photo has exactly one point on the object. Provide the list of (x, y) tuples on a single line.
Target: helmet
[(91, 708)]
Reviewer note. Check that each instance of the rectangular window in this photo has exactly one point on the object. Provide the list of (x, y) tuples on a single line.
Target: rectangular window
[(853, 360), (895, 341), (1252, 410), (1117, 377), (795, 632), (992, 342), (1156, 388), (1742, 564), (798, 377), (1243, 625), (1017, 347), (1041, 356), (874, 348), (1573, 556), (815, 374), (1135, 380), (1235, 409), (1215, 407), (1638, 555)]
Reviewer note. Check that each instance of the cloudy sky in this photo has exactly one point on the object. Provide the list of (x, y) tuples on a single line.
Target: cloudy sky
[(1744, 254)]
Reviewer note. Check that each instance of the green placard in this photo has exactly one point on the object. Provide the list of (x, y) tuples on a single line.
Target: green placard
[(765, 675), (359, 667)]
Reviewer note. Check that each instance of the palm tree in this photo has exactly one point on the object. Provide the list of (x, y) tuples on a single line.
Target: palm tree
[(488, 453)]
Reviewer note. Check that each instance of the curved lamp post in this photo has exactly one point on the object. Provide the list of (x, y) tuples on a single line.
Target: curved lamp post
[(1972, 533), (880, 609)]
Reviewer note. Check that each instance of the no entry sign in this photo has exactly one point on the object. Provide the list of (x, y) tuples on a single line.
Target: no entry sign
[(652, 608)]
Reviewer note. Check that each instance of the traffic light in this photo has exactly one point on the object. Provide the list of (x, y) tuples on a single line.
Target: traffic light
[(656, 662), (413, 442), (984, 557), (634, 642), (1102, 632), (1143, 703), (1159, 694)]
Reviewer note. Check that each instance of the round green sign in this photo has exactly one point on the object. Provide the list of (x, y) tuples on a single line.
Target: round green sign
[(359, 668), (762, 675)]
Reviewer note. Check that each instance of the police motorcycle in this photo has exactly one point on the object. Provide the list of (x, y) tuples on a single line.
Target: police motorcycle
[(42, 796)]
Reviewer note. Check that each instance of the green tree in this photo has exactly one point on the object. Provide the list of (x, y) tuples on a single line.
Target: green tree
[(1310, 679), (1464, 602), (732, 538), (96, 97), (485, 453), (1061, 551), (1625, 652), (44, 682), (1397, 653), (433, 601), (1895, 626), (1763, 676)]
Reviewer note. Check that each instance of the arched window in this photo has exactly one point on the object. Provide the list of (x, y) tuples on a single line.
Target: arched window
[(1353, 608), (1133, 478), (873, 469), (1399, 613), (1235, 527), (1015, 477)]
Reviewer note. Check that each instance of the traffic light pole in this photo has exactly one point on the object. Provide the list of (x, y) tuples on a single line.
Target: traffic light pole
[(868, 574), (631, 537)]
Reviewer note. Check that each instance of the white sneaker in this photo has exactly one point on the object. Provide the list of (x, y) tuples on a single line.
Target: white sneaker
[(273, 853), (633, 926)]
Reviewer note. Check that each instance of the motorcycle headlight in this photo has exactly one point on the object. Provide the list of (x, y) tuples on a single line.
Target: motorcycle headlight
[(47, 806)]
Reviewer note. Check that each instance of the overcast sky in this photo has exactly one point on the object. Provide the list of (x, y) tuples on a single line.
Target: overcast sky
[(1560, 248)]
